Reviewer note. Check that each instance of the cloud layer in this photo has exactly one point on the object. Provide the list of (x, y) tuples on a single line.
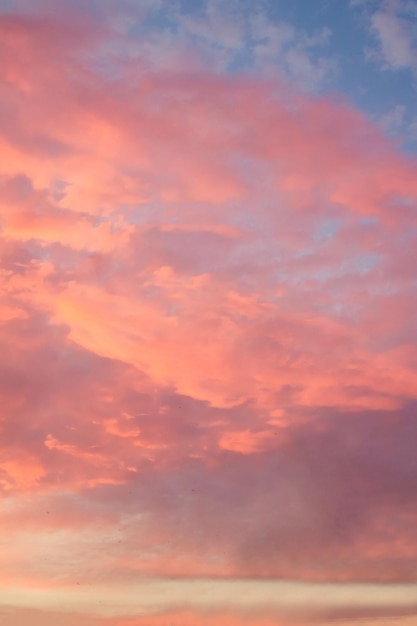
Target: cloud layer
[(207, 323)]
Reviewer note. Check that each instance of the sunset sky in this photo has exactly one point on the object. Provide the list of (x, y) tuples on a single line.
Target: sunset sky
[(208, 312)]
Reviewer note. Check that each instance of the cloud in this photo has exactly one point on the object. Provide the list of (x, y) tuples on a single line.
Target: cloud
[(227, 39), (396, 39), (331, 498), (395, 31), (207, 322), (150, 596)]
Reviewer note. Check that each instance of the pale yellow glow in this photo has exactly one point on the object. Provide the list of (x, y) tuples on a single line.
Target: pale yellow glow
[(153, 595)]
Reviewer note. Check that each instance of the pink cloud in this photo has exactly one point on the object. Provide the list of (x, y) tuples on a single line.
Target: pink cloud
[(207, 324)]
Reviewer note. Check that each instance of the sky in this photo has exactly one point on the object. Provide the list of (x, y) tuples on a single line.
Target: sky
[(208, 313)]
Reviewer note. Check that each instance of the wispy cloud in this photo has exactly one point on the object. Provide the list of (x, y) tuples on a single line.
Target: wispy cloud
[(396, 39), (395, 29)]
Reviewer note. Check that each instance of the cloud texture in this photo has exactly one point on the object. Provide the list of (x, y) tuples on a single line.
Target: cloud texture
[(207, 325)]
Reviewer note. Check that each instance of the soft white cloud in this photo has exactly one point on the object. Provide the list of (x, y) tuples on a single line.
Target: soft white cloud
[(392, 23), (306, 72), (279, 46), (393, 121), (232, 36), (396, 38)]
